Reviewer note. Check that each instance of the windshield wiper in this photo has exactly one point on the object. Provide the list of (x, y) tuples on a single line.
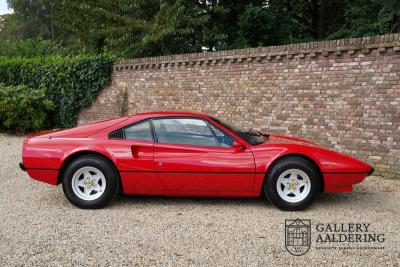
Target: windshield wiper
[(253, 132)]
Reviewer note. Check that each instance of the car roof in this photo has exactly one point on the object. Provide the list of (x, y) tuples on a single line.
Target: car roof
[(170, 113)]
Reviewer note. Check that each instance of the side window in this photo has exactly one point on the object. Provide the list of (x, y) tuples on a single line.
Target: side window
[(184, 131), (224, 139), (140, 131)]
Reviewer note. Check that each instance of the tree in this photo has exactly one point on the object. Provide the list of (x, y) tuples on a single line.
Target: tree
[(35, 18), (138, 28), (368, 17)]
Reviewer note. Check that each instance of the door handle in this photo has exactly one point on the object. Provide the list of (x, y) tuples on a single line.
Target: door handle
[(135, 152), (141, 149)]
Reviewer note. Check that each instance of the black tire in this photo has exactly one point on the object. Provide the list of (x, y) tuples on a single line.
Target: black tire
[(285, 164), (107, 169)]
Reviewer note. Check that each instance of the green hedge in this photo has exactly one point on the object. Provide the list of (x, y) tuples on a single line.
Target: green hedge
[(69, 82), (23, 109)]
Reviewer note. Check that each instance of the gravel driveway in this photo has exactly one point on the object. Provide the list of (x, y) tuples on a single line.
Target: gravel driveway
[(39, 227)]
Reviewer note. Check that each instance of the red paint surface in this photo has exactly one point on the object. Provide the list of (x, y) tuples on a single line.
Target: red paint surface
[(168, 169), (47, 176)]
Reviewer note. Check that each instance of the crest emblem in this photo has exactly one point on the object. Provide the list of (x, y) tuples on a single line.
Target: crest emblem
[(297, 236)]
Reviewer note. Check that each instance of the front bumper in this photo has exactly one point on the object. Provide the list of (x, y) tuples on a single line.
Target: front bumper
[(342, 182), (22, 166)]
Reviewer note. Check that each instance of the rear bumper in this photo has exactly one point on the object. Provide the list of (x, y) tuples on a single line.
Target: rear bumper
[(44, 175)]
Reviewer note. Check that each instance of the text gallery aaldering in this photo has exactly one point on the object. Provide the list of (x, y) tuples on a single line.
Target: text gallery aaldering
[(352, 235)]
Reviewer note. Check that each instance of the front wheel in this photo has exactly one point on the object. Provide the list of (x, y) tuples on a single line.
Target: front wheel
[(90, 182), (292, 183)]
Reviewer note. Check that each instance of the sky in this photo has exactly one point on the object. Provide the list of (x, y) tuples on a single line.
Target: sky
[(3, 7)]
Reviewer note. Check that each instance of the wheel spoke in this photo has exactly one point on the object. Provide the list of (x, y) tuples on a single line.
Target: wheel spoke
[(88, 191), (97, 188), (81, 183), (300, 183), (296, 192), (286, 190), (87, 174), (96, 178)]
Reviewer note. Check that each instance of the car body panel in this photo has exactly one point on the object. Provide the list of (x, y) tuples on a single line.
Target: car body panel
[(212, 169), (79, 131), (153, 168), (46, 176)]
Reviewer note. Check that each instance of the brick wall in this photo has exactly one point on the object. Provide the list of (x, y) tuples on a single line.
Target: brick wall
[(344, 94)]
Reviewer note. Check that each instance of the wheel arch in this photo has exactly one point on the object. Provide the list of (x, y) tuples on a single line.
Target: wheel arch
[(81, 153), (303, 156)]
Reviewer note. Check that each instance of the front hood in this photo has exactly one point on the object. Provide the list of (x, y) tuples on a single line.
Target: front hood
[(281, 139), (77, 132), (328, 160)]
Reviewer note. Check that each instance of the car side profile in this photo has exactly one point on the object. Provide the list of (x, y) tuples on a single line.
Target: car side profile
[(185, 154)]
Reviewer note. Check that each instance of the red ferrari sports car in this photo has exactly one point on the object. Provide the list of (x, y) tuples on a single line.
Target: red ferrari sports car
[(185, 154)]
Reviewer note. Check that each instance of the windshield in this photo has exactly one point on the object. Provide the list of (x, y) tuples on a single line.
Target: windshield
[(251, 136)]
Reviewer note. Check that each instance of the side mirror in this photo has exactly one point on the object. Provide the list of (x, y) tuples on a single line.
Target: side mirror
[(238, 146)]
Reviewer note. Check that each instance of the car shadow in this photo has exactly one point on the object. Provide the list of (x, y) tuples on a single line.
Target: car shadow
[(343, 199), (324, 199), (175, 200)]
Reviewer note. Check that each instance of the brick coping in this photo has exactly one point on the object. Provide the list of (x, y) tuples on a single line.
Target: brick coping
[(300, 50)]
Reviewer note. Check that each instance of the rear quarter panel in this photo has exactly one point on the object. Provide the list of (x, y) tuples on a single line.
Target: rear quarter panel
[(45, 153), (49, 150), (43, 157)]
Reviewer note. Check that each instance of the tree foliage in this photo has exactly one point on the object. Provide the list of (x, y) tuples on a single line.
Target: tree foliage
[(23, 109), (70, 83), (157, 27), (31, 48), (41, 44)]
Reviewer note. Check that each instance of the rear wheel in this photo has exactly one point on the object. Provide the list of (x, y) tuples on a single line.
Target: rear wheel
[(90, 182), (292, 183)]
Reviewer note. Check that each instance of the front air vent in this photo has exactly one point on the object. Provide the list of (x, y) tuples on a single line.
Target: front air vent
[(118, 134)]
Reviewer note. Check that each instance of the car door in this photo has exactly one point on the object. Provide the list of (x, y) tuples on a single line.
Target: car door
[(133, 148), (190, 158)]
